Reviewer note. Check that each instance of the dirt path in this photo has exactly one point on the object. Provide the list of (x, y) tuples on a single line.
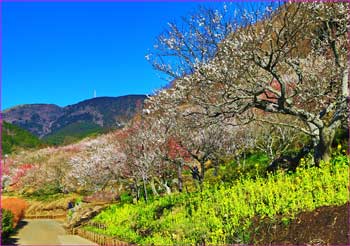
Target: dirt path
[(45, 232), (327, 225)]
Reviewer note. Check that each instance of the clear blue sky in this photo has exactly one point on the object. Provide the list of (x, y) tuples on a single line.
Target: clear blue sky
[(61, 52)]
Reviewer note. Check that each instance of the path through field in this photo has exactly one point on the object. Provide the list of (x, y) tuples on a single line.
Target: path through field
[(45, 232)]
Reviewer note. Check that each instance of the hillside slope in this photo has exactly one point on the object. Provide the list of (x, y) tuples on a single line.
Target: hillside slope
[(14, 137), (35, 118)]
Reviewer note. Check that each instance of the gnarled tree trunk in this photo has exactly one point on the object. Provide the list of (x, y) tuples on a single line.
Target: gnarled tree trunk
[(323, 148), (145, 189), (167, 188), (154, 190)]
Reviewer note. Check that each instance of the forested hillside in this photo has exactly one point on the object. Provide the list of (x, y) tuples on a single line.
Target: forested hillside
[(14, 137)]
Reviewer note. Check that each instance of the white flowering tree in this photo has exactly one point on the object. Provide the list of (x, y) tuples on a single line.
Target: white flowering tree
[(182, 46), (189, 139), (208, 143), (143, 147), (100, 162), (161, 111), (290, 61)]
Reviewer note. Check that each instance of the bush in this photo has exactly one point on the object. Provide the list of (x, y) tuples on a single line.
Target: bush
[(126, 198), (17, 207), (7, 223), (253, 166), (46, 193)]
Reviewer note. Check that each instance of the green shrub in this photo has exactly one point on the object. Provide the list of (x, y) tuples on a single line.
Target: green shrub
[(48, 193), (254, 165), (126, 198), (7, 223)]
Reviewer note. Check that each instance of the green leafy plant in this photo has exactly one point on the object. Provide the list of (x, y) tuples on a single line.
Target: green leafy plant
[(223, 213), (7, 223)]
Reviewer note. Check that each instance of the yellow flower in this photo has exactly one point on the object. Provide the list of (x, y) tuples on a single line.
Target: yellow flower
[(339, 147)]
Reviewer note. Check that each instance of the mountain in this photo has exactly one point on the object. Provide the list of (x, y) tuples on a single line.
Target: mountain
[(36, 118), (14, 137), (65, 124)]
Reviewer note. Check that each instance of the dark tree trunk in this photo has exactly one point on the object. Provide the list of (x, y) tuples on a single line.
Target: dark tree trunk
[(216, 168), (179, 176), (202, 171), (137, 191), (323, 148), (145, 189)]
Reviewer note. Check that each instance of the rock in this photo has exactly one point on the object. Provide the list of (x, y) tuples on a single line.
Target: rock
[(82, 214)]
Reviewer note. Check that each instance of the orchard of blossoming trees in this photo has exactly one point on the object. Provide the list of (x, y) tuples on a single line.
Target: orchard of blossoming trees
[(267, 80), (291, 61)]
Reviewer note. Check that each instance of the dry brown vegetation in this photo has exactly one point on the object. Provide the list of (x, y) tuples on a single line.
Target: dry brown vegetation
[(17, 206)]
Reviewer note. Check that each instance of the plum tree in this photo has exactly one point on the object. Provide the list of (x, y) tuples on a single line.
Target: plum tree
[(291, 60)]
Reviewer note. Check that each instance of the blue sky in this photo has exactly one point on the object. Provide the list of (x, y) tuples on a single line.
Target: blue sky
[(61, 52)]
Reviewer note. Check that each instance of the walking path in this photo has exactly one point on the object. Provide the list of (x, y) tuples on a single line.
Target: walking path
[(45, 232)]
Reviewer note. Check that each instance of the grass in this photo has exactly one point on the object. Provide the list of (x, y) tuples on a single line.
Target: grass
[(223, 213)]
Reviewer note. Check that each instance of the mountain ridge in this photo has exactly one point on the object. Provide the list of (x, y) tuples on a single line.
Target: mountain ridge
[(92, 115)]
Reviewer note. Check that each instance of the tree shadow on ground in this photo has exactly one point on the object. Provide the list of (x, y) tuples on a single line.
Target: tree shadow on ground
[(11, 240)]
